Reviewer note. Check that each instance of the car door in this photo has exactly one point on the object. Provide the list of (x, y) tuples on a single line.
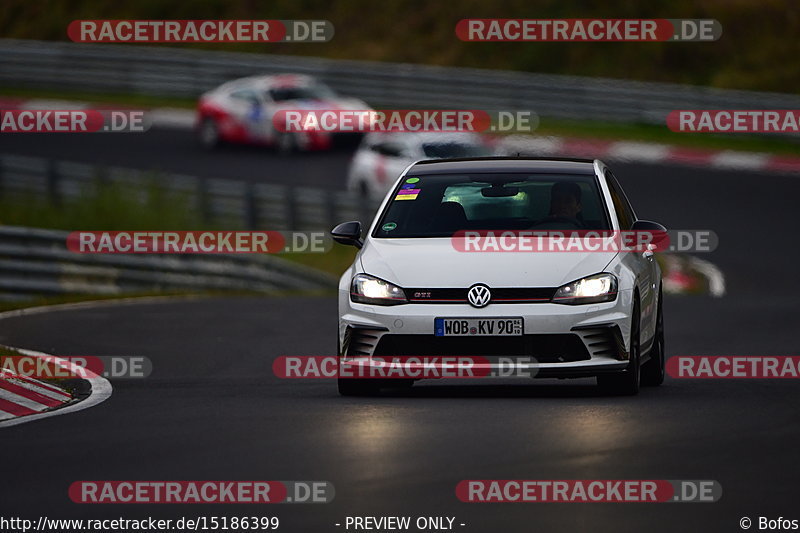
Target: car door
[(643, 261), (248, 108)]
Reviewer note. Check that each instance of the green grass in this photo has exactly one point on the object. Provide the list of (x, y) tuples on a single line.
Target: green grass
[(758, 49), (104, 206), (335, 261)]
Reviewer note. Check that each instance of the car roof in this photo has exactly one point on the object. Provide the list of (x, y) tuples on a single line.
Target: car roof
[(422, 137), (485, 165), (271, 80)]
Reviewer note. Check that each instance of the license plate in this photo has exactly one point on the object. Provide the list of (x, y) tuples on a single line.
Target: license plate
[(477, 327)]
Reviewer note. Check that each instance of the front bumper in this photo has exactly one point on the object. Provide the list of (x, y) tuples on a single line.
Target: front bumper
[(557, 341)]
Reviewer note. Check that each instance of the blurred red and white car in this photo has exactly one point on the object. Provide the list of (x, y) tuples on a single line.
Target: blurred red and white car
[(381, 157), (241, 111)]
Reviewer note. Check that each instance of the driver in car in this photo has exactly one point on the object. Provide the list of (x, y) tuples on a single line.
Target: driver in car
[(565, 203)]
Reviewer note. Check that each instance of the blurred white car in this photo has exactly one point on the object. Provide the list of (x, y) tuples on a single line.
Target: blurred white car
[(381, 157), (241, 111)]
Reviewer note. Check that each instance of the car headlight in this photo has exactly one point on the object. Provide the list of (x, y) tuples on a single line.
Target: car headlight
[(589, 290), (368, 289)]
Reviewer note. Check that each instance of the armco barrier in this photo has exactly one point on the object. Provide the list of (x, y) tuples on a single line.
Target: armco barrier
[(36, 262), (162, 71), (225, 203)]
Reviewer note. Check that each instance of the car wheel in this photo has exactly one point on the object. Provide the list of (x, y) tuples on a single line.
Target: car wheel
[(627, 382), (357, 387), (653, 370), (287, 143), (209, 134)]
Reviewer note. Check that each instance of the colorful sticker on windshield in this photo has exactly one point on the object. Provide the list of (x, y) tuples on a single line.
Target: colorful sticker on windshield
[(412, 180), (389, 226), (407, 194)]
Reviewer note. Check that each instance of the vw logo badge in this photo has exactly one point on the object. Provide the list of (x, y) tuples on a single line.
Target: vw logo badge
[(479, 295)]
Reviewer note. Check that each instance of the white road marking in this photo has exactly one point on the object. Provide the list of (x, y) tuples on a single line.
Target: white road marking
[(21, 400), (638, 151), (739, 160), (100, 391)]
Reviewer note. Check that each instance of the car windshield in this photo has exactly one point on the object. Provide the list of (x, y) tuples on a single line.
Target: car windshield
[(446, 150), (439, 205), (303, 92)]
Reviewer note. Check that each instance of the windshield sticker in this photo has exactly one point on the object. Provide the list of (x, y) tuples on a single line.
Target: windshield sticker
[(412, 180), (407, 194), (389, 226)]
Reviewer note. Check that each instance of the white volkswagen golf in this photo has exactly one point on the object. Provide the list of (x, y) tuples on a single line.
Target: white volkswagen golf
[(414, 291)]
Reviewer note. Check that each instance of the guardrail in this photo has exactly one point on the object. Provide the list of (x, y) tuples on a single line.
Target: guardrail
[(35, 262), (221, 202), (162, 71)]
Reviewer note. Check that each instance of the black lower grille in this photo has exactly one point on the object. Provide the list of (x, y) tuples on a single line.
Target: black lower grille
[(499, 295), (360, 341), (544, 347)]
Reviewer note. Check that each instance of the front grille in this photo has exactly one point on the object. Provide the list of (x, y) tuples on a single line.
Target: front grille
[(545, 348), (499, 295)]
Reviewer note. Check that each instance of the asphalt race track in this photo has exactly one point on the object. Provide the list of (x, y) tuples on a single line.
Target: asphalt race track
[(212, 410)]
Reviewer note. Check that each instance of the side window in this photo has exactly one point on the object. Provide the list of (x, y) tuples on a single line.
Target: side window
[(623, 208), (245, 95), (389, 149)]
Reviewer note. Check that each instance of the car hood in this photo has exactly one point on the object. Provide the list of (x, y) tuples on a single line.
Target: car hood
[(434, 262)]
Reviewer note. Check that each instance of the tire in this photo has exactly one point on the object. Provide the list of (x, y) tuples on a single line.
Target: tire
[(287, 143), (627, 382), (357, 387), (653, 370), (209, 134)]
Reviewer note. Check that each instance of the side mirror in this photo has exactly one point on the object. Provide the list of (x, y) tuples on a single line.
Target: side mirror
[(348, 233), (647, 225), (658, 236)]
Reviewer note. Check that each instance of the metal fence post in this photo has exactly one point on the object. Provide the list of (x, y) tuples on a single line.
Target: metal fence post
[(53, 183), (331, 208), (291, 209), (203, 200), (250, 207)]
